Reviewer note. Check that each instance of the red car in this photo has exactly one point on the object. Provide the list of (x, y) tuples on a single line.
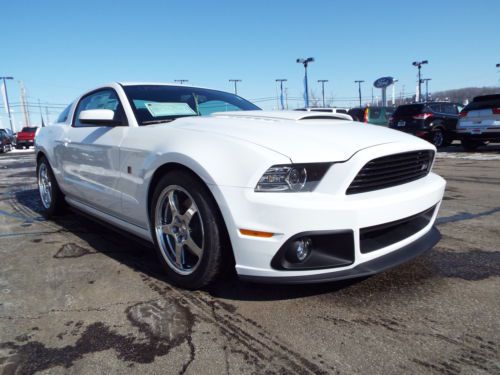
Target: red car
[(26, 137)]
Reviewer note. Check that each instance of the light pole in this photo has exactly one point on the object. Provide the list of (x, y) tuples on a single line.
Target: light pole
[(419, 64), (282, 102), (181, 81), (394, 91), (359, 90), (426, 80), (7, 100), (306, 62), (235, 85), (323, 81)]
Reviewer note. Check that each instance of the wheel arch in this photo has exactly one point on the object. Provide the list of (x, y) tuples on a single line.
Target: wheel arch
[(175, 166)]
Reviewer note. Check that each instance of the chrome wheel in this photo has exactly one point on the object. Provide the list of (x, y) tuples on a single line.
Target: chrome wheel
[(179, 229), (44, 185)]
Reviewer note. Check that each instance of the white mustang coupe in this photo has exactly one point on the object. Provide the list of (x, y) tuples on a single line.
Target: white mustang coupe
[(286, 197)]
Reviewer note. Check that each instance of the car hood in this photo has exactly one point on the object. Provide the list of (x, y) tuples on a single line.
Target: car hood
[(301, 136)]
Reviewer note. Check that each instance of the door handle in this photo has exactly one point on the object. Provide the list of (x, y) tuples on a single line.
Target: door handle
[(66, 141)]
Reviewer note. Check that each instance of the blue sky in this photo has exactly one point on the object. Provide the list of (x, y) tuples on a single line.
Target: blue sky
[(60, 48)]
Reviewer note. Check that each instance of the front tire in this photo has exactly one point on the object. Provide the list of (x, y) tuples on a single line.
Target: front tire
[(440, 138), (186, 229), (50, 194)]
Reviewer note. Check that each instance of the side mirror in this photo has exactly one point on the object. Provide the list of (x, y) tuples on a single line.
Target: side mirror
[(98, 117)]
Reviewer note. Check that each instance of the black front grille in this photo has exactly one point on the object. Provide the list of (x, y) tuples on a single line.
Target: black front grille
[(392, 170)]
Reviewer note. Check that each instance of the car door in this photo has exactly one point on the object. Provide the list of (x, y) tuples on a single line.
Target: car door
[(91, 158)]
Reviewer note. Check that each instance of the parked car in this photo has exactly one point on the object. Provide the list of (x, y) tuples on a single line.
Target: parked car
[(435, 122), (26, 137), (372, 115), (285, 195), (11, 135), (480, 122), (5, 141)]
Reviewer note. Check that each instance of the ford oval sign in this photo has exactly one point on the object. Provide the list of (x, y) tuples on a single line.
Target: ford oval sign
[(383, 82)]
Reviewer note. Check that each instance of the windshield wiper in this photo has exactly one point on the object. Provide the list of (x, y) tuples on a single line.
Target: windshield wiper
[(164, 120), (158, 121)]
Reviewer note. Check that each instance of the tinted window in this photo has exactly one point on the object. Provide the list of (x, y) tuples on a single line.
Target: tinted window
[(486, 102), (435, 107), (64, 115), (156, 103), (102, 99), (409, 110), (341, 111), (449, 108)]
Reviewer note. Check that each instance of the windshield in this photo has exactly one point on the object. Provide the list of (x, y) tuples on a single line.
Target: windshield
[(154, 104)]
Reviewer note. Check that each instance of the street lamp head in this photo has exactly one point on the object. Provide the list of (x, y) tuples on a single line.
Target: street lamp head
[(498, 65), (6, 77), (305, 61), (415, 63), (281, 80), (425, 62)]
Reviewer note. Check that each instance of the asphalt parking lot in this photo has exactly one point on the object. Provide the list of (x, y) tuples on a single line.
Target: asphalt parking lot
[(79, 298)]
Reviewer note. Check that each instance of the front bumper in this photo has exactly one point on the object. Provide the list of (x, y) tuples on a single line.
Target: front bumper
[(377, 265), (327, 209), (25, 143)]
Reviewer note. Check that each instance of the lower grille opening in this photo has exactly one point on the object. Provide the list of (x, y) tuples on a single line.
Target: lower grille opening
[(380, 236)]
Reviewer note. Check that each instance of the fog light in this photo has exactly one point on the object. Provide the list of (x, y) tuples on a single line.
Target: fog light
[(303, 248)]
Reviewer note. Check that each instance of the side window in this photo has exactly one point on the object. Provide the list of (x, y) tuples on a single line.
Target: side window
[(212, 106), (435, 107), (102, 99), (450, 109), (64, 115)]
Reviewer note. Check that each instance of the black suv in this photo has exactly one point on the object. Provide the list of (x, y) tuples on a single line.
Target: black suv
[(5, 141), (435, 121)]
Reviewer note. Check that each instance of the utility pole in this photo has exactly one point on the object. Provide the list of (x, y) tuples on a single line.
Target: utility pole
[(181, 81), (7, 101), (323, 81), (394, 92), (41, 115), (281, 80), (426, 80), (235, 85), (286, 97), (305, 62), (25, 105), (359, 90), (419, 64)]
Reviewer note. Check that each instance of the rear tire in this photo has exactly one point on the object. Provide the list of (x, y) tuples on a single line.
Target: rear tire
[(471, 145), (51, 196), (186, 229)]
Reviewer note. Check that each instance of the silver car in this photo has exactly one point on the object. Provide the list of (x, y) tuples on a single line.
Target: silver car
[(480, 122)]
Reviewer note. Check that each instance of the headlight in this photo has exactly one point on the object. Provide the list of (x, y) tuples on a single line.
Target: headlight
[(292, 177)]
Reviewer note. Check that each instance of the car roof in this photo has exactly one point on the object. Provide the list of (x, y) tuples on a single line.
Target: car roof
[(158, 84)]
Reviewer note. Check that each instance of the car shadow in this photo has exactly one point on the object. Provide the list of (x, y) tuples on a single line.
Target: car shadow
[(139, 255)]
